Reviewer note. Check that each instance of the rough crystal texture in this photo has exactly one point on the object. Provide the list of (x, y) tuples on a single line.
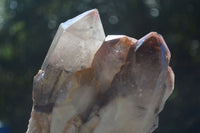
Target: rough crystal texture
[(87, 85)]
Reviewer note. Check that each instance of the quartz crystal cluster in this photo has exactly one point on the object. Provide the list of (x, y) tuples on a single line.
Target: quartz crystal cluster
[(90, 83)]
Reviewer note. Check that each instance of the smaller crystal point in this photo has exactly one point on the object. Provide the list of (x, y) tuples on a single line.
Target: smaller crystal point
[(159, 40), (110, 57)]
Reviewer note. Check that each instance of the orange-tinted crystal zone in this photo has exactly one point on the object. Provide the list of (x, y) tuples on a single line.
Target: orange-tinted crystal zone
[(145, 61), (43, 99), (109, 59)]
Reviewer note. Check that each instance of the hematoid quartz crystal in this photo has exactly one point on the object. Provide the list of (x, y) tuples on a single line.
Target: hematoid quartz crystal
[(90, 83)]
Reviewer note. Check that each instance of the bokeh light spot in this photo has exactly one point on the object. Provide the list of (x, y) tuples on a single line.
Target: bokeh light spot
[(154, 12), (113, 19), (13, 5)]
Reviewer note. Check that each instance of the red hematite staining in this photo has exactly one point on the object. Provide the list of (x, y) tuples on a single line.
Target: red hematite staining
[(92, 84)]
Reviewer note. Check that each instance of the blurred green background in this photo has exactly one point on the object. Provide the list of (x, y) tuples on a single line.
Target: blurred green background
[(27, 28)]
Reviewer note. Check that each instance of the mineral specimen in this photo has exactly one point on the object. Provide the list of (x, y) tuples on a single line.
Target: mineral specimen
[(92, 84)]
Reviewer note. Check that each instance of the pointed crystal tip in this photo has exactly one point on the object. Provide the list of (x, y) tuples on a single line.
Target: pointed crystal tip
[(69, 22)]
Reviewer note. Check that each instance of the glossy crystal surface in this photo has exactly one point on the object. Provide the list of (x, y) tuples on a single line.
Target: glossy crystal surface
[(90, 83)]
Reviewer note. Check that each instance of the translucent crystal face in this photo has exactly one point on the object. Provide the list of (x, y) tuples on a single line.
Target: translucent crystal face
[(76, 42), (70, 22)]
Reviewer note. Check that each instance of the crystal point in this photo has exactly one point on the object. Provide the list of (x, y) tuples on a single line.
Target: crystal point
[(76, 42)]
